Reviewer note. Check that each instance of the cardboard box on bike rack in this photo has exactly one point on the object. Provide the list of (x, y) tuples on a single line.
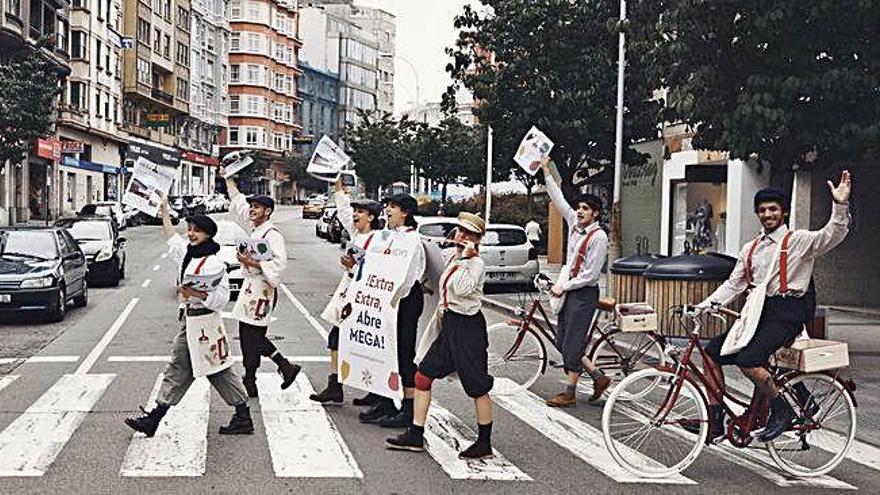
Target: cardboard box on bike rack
[(810, 355), (636, 317)]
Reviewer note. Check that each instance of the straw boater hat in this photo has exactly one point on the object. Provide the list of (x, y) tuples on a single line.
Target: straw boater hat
[(471, 223)]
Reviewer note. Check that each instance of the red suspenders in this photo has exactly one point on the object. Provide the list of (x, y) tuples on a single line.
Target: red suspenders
[(582, 253), (783, 262)]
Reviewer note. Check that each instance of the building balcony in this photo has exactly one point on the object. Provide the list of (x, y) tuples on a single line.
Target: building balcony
[(135, 130), (162, 96)]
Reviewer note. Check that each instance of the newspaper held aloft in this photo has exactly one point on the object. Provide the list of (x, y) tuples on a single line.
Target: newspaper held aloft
[(202, 282), (534, 147), (238, 165), (256, 249), (328, 161), (148, 184)]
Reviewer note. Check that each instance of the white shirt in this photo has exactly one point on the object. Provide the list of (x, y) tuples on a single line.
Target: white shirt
[(533, 231), (804, 247), (591, 267), (461, 284), (271, 270), (217, 298)]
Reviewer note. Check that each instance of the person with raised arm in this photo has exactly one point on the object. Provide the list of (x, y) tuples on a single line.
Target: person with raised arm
[(195, 255), (359, 218), (259, 291), (579, 286)]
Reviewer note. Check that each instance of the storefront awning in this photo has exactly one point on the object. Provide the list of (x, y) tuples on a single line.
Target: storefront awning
[(69, 161)]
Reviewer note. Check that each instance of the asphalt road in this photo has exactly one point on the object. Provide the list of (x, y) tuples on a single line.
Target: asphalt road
[(61, 412)]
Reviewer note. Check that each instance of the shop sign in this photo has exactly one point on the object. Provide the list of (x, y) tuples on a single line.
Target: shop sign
[(69, 161), (155, 154), (199, 158), (158, 119), (49, 148), (69, 147)]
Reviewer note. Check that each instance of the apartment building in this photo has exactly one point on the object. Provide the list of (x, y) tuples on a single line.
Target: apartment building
[(263, 70), (26, 188), (156, 82)]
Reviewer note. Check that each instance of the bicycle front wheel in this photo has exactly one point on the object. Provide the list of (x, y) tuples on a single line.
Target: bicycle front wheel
[(515, 354), (644, 423), (824, 430), (619, 354)]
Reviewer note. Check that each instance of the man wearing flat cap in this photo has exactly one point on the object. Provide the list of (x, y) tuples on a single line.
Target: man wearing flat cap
[(781, 260), (259, 291)]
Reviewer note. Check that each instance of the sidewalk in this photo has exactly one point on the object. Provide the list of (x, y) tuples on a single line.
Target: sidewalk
[(858, 327)]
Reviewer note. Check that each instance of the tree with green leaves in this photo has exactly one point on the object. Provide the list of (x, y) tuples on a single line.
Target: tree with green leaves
[(28, 91), (451, 153), (294, 166), (795, 82), (381, 149), (552, 63)]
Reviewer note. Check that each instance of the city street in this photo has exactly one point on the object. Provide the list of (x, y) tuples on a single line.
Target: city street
[(66, 388)]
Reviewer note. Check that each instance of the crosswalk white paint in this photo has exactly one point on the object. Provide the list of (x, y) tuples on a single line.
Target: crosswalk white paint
[(6, 380), (446, 435), (302, 309), (757, 461), (574, 435), (102, 344), (157, 268), (41, 359), (30, 444), (303, 440), (146, 283), (180, 445), (164, 359)]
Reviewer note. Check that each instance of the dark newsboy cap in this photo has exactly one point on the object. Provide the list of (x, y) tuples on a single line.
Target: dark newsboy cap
[(406, 202), (204, 223), (261, 199)]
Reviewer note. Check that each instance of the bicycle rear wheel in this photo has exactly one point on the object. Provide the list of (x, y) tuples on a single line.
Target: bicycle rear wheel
[(619, 354), (516, 354), (645, 431), (824, 430)]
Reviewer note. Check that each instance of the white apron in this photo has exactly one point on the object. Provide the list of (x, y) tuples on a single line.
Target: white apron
[(208, 346)]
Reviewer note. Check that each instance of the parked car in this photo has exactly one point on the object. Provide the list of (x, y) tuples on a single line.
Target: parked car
[(216, 203), (228, 235), (322, 228), (195, 205), (509, 257), (314, 208), (141, 218), (130, 215), (99, 240), (41, 270), (110, 209)]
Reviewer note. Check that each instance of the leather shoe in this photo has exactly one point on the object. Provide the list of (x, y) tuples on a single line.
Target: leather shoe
[(563, 399), (383, 408), (781, 416), (403, 419), (478, 450), (600, 385), (368, 400)]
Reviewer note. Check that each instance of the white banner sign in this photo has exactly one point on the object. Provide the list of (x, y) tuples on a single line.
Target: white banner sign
[(238, 165), (368, 330), (147, 185), (327, 161), (534, 147)]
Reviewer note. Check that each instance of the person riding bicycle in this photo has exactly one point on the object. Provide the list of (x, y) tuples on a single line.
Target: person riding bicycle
[(587, 249), (788, 304)]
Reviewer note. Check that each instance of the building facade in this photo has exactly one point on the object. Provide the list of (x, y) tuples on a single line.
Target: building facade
[(319, 91), (263, 71), (27, 190)]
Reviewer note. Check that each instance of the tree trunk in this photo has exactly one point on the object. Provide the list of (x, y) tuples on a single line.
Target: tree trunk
[(529, 199), (443, 194)]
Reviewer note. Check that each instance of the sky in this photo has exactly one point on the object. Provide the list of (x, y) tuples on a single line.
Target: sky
[(424, 30)]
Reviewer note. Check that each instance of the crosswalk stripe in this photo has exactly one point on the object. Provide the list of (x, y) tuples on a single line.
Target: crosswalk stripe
[(757, 461), (446, 435), (180, 445), (41, 359), (164, 359), (6, 380), (303, 441), (574, 435), (30, 444)]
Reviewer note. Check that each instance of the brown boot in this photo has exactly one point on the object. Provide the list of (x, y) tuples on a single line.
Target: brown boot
[(563, 399), (600, 385)]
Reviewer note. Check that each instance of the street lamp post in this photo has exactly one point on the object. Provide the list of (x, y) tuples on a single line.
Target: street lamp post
[(413, 179), (614, 247)]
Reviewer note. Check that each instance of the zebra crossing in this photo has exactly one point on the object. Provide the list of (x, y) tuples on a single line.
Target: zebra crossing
[(303, 440)]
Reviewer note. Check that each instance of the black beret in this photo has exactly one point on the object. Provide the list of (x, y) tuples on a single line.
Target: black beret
[(204, 223), (406, 202), (262, 200), (593, 201), (771, 194)]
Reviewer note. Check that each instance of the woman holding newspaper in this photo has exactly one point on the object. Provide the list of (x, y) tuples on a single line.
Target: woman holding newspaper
[(359, 218), (258, 295), (203, 292), (461, 344)]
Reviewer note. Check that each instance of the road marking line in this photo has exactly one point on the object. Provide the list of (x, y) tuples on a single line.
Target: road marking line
[(146, 283), (93, 356), (180, 445), (157, 268), (303, 441), (574, 435), (30, 444), (41, 359), (6, 380), (302, 309), (164, 359), (164, 255), (755, 460), (446, 435)]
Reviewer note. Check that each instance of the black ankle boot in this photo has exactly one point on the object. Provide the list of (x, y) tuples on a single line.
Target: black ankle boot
[(781, 416), (368, 400), (481, 449), (402, 419), (241, 422), (412, 439), (384, 407), (332, 395), (288, 372), (149, 422)]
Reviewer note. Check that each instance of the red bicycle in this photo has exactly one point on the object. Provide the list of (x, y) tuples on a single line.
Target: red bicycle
[(659, 422), (517, 349)]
